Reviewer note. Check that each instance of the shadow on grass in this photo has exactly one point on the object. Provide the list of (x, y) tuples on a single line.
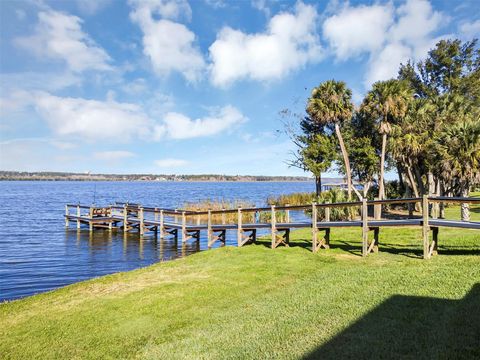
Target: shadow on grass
[(411, 327), (355, 248)]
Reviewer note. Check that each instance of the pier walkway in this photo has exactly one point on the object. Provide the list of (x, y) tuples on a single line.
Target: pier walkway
[(188, 225)]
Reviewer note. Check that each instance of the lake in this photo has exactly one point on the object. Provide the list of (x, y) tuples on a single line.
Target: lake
[(37, 252)]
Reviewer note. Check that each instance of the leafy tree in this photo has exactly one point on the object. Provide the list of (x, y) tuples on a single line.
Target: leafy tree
[(330, 105), (386, 103)]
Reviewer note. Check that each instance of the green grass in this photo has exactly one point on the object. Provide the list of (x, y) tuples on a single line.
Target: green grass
[(254, 302)]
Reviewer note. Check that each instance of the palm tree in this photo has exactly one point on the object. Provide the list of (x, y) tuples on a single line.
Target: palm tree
[(331, 105), (458, 154), (387, 102)]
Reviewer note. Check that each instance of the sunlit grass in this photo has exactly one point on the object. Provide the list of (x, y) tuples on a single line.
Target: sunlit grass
[(254, 302)]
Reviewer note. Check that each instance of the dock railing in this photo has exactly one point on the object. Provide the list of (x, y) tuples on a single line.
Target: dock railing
[(277, 220)]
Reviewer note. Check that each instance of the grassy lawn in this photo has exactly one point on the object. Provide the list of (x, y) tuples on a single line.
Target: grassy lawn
[(254, 302)]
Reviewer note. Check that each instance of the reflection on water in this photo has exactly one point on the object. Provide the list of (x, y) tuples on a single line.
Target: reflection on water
[(104, 245), (38, 254)]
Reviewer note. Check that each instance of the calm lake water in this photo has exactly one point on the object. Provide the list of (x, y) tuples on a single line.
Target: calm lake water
[(37, 252)]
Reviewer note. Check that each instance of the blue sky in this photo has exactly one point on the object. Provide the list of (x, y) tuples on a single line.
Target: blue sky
[(164, 86)]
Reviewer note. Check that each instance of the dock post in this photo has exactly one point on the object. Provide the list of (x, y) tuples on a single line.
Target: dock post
[(78, 216), (209, 228), (314, 228), (66, 216), (377, 210), (274, 227), (90, 222), (184, 227), (175, 218), (426, 250), (239, 227), (364, 227), (142, 226), (162, 226), (125, 218)]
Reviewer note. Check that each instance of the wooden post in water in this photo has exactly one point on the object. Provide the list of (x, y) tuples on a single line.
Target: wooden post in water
[(66, 216), (364, 227), (90, 223), (125, 218), (274, 227), (239, 227), (425, 228), (314, 227), (78, 216), (184, 227), (162, 226), (175, 218), (142, 226), (209, 228)]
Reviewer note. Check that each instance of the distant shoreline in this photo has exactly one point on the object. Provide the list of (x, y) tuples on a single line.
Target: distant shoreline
[(57, 176)]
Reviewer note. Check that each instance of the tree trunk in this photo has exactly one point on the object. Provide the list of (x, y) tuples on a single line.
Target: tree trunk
[(401, 184), (345, 160), (318, 184), (381, 182), (465, 208), (441, 192), (418, 176)]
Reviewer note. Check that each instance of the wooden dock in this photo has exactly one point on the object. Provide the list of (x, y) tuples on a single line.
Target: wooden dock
[(188, 225)]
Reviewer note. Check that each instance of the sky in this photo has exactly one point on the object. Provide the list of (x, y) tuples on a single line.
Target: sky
[(192, 87)]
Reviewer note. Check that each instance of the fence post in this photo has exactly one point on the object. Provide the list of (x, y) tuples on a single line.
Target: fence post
[(314, 227), (274, 227), (327, 213), (223, 216), (287, 214), (239, 227), (364, 227), (425, 227), (377, 210)]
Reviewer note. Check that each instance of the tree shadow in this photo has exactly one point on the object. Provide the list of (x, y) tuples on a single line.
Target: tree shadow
[(411, 327)]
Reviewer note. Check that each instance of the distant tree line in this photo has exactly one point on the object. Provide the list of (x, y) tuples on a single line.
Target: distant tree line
[(425, 124)]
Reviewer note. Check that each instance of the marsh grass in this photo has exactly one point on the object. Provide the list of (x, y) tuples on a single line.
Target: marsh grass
[(232, 218)]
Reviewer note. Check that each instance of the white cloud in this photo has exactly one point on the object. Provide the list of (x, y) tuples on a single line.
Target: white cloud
[(261, 5), (385, 64), (170, 163), (169, 45), (92, 119), (113, 155), (289, 42), (470, 29), (388, 35), (355, 30), (113, 120), (59, 36), (179, 126)]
